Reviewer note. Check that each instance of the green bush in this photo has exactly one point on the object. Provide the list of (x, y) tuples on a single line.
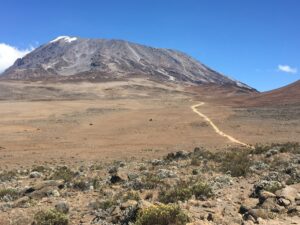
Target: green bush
[(151, 181), (184, 191), (50, 217), (237, 162), (131, 195), (63, 173), (104, 204), (12, 193), (173, 195), (202, 190), (273, 186), (162, 215)]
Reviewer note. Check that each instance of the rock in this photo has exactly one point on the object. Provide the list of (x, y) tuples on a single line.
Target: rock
[(294, 210), (250, 203), (121, 214), (260, 221), (129, 203), (210, 217), (35, 174), (113, 170), (49, 183), (164, 173), (44, 192), (54, 193), (5, 207), (289, 192), (256, 213), (82, 185), (263, 195), (157, 162), (271, 152), (132, 176), (258, 166), (118, 175), (271, 205), (177, 155), (284, 202), (62, 207), (115, 179), (297, 200), (268, 185)]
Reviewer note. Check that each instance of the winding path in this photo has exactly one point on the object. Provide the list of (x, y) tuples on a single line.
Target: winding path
[(217, 130)]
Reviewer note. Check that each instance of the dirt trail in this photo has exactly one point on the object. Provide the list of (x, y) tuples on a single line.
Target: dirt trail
[(217, 130)]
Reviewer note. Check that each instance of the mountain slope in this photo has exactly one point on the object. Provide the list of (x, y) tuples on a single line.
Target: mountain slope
[(69, 58), (289, 94)]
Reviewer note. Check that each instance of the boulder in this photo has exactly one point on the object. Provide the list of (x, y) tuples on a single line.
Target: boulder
[(290, 193), (35, 174)]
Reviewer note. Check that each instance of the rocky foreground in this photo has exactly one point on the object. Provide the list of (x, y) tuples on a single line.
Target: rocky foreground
[(234, 186)]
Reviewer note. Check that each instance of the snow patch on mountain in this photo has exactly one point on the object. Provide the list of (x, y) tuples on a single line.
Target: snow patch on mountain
[(65, 38)]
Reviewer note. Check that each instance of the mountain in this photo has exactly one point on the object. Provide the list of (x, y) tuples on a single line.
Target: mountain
[(72, 58), (289, 94)]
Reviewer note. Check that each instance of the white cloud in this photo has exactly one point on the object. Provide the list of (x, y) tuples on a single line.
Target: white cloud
[(9, 54), (287, 69)]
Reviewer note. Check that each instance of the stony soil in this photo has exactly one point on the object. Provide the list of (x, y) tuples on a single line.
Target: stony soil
[(239, 186)]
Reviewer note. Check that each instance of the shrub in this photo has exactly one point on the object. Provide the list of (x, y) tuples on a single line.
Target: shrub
[(292, 147), (184, 191), (81, 185), (151, 181), (260, 149), (237, 162), (202, 190), (131, 195), (40, 169), (104, 205), (162, 215), (204, 154), (50, 217), (273, 186), (63, 173), (8, 175), (195, 161), (179, 193), (11, 193)]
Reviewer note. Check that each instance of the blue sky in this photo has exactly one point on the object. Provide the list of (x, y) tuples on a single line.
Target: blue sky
[(254, 41)]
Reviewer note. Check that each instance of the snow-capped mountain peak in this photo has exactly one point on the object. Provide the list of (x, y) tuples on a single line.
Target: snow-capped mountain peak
[(64, 38)]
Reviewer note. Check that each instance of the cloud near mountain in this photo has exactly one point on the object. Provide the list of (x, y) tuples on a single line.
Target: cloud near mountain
[(9, 54)]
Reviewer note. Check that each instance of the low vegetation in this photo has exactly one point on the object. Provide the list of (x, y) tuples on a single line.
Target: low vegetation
[(10, 193), (185, 191), (63, 173), (180, 188), (162, 215), (236, 162), (202, 190), (50, 217)]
